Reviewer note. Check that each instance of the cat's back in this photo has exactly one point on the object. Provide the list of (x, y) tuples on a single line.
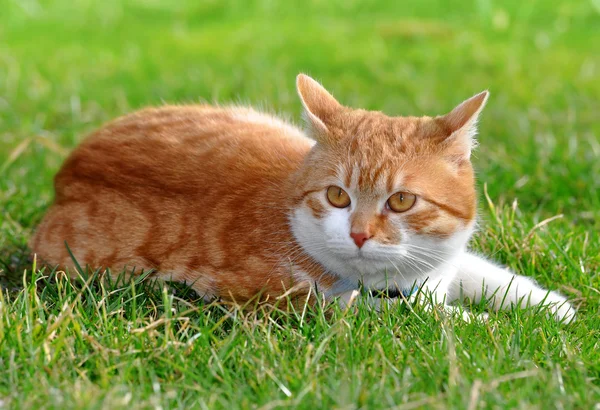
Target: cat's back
[(179, 189), (179, 149)]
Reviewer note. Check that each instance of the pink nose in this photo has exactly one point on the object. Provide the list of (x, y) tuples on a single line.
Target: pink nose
[(359, 238)]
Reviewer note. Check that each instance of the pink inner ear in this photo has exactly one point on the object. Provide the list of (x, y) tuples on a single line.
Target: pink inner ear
[(466, 113), (319, 104), (461, 127)]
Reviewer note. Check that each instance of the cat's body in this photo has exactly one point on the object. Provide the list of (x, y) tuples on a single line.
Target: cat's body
[(240, 204), (129, 197)]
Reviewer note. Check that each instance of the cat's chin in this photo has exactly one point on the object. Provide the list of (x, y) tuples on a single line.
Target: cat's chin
[(404, 262), (364, 264)]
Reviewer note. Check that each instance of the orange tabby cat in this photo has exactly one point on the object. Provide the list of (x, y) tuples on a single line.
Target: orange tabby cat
[(238, 203)]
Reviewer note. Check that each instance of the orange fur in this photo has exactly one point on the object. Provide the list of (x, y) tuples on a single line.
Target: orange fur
[(204, 194)]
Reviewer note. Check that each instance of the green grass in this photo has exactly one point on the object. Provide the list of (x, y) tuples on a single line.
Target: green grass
[(68, 66)]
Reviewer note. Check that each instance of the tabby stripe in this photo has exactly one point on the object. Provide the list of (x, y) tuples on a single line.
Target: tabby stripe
[(451, 210)]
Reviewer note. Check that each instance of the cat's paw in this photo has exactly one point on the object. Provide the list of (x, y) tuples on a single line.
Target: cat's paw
[(465, 315), (560, 308)]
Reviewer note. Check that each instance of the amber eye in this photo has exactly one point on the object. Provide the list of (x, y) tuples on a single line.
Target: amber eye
[(401, 201), (338, 197)]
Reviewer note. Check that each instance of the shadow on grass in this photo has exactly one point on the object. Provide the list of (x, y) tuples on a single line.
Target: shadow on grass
[(17, 270), (139, 294), (15, 261)]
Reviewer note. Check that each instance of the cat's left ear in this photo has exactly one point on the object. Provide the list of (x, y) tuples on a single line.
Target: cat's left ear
[(461, 124), (319, 106)]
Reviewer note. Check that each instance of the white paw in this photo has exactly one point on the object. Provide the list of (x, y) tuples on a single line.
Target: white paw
[(560, 308), (466, 315)]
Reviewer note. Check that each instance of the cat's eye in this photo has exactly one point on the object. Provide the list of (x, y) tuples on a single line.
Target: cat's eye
[(401, 201), (338, 197)]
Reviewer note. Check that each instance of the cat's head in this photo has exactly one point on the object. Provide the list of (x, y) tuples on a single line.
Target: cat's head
[(384, 194)]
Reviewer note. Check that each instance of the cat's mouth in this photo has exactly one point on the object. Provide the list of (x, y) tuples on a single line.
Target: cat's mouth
[(372, 252), (370, 264), (370, 260), (364, 257), (370, 255)]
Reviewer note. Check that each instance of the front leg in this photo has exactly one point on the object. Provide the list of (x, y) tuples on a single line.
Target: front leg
[(432, 293), (478, 278), (436, 292)]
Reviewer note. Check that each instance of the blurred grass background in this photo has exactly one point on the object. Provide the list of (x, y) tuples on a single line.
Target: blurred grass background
[(68, 66)]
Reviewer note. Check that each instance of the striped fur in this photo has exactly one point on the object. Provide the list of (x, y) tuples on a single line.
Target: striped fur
[(233, 201)]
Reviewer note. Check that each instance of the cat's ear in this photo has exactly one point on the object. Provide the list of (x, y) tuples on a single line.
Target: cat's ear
[(319, 105), (461, 124)]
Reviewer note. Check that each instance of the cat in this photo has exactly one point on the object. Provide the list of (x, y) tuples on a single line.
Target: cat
[(240, 204)]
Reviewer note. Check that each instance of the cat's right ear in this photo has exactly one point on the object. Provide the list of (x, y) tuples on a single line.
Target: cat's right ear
[(319, 106), (461, 125)]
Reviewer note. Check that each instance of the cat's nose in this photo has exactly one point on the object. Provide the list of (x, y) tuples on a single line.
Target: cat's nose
[(359, 238)]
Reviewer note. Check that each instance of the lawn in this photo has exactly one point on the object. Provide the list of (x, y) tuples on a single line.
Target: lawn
[(66, 66)]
